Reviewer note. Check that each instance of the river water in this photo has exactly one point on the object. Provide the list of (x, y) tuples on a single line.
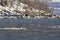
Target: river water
[(36, 29)]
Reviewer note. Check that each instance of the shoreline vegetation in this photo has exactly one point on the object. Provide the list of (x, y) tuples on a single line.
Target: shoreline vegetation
[(25, 9)]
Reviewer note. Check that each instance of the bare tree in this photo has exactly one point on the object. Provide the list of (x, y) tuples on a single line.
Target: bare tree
[(36, 5), (4, 2)]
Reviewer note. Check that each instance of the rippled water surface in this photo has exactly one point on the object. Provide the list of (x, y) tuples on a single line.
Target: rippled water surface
[(28, 35), (39, 29)]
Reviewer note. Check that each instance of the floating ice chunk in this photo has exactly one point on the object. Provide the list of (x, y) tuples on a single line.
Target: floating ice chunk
[(13, 28)]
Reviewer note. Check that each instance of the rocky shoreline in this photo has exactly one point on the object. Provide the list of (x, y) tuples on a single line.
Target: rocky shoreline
[(20, 10)]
